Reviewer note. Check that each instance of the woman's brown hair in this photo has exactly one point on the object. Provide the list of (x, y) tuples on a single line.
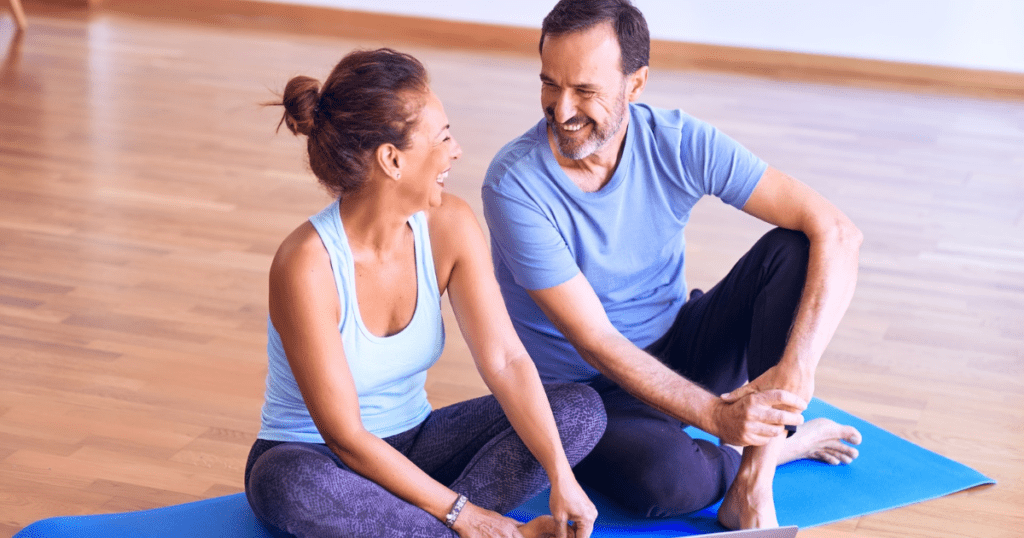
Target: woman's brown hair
[(369, 99)]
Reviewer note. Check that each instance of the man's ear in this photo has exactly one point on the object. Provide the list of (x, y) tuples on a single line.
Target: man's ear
[(636, 83), (390, 160)]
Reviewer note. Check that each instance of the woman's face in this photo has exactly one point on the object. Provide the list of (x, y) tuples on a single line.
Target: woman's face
[(430, 156)]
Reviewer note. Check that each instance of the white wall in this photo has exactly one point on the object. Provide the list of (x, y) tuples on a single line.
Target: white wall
[(979, 34)]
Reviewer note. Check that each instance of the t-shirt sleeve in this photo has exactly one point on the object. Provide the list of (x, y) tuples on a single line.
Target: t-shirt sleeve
[(717, 165), (527, 242)]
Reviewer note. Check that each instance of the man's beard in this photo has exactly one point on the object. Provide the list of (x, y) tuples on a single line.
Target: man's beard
[(599, 134)]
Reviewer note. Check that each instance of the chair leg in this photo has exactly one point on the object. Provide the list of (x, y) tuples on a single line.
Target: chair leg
[(19, 14)]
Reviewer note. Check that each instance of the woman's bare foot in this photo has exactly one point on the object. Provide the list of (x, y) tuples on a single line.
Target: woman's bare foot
[(821, 439), (542, 527), (746, 507)]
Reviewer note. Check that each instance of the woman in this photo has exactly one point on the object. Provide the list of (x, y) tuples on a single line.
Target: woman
[(349, 445)]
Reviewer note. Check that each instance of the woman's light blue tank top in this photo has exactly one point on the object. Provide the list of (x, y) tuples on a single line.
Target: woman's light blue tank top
[(389, 372)]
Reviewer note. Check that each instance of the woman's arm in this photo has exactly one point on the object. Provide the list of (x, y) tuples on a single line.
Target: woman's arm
[(500, 356), (305, 311)]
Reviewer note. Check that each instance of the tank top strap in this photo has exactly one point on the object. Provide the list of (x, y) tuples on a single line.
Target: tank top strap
[(427, 274), (328, 225)]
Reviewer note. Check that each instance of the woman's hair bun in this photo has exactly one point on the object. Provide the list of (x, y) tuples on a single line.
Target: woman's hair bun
[(371, 98), (300, 99)]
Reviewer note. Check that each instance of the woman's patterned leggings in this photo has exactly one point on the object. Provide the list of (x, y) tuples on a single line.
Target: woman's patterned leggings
[(303, 489)]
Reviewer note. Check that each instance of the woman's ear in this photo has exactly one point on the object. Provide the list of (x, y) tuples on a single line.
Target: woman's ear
[(390, 160)]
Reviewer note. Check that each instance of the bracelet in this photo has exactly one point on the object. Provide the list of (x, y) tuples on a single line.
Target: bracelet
[(449, 520)]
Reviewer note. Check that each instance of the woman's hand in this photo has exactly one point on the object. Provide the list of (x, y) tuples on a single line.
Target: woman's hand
[(477, 522), (569, 503)]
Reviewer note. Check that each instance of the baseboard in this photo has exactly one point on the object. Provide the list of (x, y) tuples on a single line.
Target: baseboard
[(839, 70), (387, 29)]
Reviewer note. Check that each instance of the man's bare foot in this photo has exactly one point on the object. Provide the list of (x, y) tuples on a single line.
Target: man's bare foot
[(821, 439), (541, 527), (747, 507)]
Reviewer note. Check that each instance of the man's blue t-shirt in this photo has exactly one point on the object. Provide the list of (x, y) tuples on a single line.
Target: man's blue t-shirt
[(626, 238)]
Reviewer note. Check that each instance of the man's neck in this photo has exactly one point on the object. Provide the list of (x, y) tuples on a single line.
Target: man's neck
[(594, 171)]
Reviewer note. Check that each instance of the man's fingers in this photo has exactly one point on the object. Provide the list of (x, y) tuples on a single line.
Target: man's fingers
[(774, 418), (778, 417), (782, 398), (760, 433), (739, 393)]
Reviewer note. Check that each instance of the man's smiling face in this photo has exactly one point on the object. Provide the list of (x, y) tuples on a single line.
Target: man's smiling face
[(583, 91)]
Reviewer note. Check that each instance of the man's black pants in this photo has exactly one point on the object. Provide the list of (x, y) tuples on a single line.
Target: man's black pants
[(720, 339)]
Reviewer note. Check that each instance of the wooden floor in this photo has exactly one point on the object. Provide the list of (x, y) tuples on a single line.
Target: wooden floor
[(143, 192)]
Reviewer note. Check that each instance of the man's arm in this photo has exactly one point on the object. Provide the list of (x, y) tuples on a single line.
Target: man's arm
[(751, 419), (831, 276)]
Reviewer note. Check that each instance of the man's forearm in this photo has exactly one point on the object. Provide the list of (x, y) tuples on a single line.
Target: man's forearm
[(831, 273), (831, 280), (577, 313), (653, 383)]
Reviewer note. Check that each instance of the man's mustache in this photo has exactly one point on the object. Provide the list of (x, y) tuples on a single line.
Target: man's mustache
[(550, 113)]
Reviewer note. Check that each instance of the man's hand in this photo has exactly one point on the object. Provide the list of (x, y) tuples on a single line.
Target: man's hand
[(747, 417), (791, 380)]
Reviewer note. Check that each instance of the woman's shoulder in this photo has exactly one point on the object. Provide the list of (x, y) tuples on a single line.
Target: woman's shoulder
[(455, 235), (447, 219), (299, 253)]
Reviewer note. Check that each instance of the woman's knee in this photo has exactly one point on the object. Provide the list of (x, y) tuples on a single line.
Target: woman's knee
[(580, 416), (282, 479)]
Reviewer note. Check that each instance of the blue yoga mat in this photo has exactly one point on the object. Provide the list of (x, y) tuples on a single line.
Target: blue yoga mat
[(889, 473), (220, 517)]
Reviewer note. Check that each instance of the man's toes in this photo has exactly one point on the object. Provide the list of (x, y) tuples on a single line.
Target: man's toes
[(839, 446), (844, 452), (851, 435), (841, 456), (828, 457)]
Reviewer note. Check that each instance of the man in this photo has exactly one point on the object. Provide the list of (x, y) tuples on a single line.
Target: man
[(587, 212)]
